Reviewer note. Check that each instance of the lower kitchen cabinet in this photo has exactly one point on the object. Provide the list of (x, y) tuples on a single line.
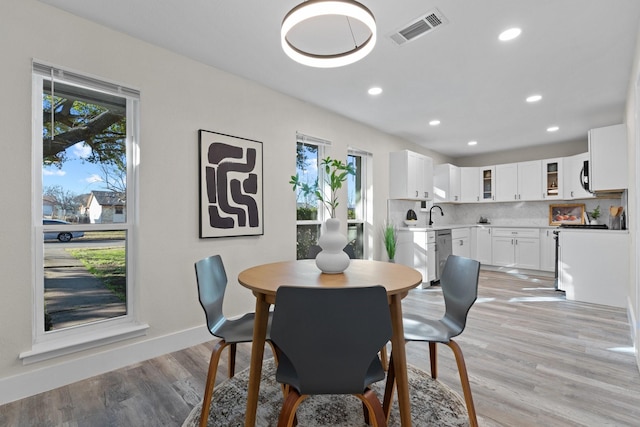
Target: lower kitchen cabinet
[(482, 238), (460, 242), (411, 251), (431, 256), (516, 247), (594, 266), (547, 249)]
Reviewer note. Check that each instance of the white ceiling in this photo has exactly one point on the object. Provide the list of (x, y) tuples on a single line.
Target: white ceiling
[(576, 53)]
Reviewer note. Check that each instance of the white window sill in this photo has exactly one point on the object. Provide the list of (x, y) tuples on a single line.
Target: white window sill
[(57, 348)]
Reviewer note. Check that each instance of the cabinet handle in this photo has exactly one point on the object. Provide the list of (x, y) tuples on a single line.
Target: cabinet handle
[(515, 197), (516, 241), (417, 193), (571, 193)]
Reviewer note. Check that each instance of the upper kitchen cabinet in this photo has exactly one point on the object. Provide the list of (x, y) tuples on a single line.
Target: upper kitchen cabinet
[(573, 176), (410, 175), (469, 184), (518, 181), (552, 179), (487, 183), (608, 158), (446, 183)]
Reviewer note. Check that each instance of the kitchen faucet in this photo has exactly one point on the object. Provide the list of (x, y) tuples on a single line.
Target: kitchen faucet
[(441, 213)]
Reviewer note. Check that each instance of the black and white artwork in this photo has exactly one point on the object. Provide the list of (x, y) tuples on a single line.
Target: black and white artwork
[(230, 186)]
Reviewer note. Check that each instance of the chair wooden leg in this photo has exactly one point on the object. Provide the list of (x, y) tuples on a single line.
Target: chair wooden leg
[(383, 357), (287, 416), (211, 380), (464, 380), (389, 388), (232, 360), (376, 416), (433, 358)]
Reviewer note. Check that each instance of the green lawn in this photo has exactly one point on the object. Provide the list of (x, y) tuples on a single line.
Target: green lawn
[(107, 264)]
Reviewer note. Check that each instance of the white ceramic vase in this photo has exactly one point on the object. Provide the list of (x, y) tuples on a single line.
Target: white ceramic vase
[(332, 259)]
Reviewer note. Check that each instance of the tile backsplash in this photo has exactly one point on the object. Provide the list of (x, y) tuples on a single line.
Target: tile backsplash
[(534, 214)]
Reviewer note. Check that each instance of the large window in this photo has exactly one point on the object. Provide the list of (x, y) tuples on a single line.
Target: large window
[(85, 134), (309, 214), (357, 206)]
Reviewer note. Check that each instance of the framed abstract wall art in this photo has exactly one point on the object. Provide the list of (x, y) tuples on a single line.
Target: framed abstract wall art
[(231, 202)]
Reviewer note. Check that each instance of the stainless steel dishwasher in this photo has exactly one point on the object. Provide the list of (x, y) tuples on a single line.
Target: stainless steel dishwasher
[(443, 250)]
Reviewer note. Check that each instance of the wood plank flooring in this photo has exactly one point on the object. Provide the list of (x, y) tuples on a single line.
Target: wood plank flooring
[(534, 359)]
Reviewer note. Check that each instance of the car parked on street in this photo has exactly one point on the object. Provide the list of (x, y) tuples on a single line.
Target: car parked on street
[(63, 236)]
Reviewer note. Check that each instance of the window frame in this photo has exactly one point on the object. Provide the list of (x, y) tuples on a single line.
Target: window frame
[(48, 344)]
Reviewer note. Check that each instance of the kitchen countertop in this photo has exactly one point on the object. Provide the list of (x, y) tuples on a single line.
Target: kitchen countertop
[(452, 226), (544, 227)]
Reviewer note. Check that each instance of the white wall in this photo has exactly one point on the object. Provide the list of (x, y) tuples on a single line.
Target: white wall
[(536, 152), (178, 97), (633, 134)]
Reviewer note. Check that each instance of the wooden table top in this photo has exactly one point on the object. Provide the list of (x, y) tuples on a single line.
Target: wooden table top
[(266, 278)]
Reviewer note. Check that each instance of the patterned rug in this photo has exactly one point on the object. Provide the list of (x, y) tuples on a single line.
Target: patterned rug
[(432, 404)]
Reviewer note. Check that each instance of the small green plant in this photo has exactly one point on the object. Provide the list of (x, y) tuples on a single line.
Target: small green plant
[(335, 173), (390, 237), (595, 214)]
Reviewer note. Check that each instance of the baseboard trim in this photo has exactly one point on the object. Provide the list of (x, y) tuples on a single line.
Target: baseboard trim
[(40, 380)]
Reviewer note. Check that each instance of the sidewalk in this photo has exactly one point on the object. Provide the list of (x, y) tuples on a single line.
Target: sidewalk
[(73, 295)]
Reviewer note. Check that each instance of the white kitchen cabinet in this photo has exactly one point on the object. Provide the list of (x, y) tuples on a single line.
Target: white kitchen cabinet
[(487, 183), (431, 256), (482, 237), (547, 249), (507, 182), (411, 250), (573, 169), (519, 181), (410, 175), (460, 242), (608, 158), (516, 247), (446, 183), (552, 179), (470, 184), (594, 266)]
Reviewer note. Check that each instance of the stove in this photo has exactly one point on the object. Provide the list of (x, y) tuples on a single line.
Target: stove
[(586, 226)]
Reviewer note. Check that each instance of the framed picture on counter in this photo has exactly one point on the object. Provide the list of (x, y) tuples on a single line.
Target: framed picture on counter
[(566, 214)]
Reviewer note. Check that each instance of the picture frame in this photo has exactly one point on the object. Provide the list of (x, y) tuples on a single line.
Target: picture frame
[(566, 214), (231, 185)]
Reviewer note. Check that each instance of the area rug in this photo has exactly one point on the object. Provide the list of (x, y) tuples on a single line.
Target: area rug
[(432, 404)]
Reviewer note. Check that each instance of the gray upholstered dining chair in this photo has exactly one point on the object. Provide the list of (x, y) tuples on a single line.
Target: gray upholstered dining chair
[(353, 322), (212, 283), (459, 282)]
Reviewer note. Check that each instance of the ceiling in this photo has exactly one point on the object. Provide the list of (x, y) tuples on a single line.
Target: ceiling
[(577, 54)]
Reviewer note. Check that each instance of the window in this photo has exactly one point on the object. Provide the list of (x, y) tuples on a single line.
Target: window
[(84, 136), (309, 214), (357, 202)]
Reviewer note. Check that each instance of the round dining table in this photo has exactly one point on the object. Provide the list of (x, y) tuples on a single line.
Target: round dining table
[(264, 280)]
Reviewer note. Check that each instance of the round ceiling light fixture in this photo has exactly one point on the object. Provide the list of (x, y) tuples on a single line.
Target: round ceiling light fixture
[(322, 8)]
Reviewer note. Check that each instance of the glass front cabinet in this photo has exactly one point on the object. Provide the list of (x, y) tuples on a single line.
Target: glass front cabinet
[(552, 179)]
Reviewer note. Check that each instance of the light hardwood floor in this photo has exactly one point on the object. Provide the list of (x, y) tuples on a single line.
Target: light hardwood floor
[(534, 359)]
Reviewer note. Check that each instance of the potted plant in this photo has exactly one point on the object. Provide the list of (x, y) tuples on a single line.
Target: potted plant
[(335, 174), (332, 259), (390, 238), (594, 215)]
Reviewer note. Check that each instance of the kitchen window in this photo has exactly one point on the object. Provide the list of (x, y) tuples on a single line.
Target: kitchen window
[(85, 136)]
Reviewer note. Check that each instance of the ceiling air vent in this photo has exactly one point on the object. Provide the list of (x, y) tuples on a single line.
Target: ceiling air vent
[(418, 27)]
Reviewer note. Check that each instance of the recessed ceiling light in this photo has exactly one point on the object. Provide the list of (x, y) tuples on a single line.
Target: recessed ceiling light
[(534, 98), (509, 34), (375, 91), (434, 122), (472, 143), (552, 128)]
